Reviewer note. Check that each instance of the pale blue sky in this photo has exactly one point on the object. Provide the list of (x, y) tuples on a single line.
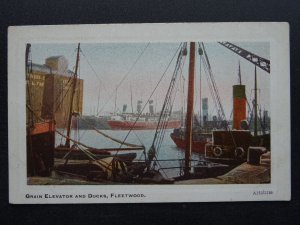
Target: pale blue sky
[(112, 61)]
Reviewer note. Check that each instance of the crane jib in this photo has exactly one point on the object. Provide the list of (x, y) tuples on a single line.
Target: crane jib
[(255, 59)]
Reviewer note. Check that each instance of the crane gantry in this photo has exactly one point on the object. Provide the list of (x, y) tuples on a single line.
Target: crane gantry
[(255, 59)]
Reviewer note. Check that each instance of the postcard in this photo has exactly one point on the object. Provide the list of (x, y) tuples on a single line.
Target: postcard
[(140, 113)]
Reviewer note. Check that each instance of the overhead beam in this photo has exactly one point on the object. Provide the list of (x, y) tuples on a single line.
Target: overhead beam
[(255, 59)]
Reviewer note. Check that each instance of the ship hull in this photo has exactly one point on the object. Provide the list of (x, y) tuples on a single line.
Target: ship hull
[(61, 152), (40, 145), (197, 146), (127, 125)]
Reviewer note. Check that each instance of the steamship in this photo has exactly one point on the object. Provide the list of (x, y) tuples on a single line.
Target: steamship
[(136, 122), (232, 147), (202, 130), (139, 121)]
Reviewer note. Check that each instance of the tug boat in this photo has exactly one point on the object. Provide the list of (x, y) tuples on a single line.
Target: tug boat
[(200, 139)]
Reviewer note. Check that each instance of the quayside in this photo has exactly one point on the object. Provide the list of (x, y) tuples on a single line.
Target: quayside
[(229, 152)]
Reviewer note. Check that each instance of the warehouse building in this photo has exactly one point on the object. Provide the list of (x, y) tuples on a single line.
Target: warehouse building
[(49, 90)]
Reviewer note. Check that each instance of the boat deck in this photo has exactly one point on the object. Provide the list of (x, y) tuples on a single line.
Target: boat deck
[(243, 174)]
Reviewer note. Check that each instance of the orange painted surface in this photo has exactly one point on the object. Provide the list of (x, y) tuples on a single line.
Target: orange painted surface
[(43, 127), (239, 112)]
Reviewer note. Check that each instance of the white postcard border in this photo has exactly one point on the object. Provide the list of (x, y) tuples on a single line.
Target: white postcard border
[(276, 33)]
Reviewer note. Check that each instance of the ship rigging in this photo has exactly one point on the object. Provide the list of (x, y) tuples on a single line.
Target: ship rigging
[(108, 163)]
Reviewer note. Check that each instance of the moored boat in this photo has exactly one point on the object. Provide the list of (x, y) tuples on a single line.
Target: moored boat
[(75, 158), (200, 139), (233, 147), (127, 122), (202, 126)]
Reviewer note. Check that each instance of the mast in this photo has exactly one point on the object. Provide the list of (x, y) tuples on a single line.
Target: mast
[(98, 102), (182, 80), (190, 109), (200, 91), (240, 76), (28, 46), (115, 108), (131, 99), (255, 104), (72, 99), (28, 101)]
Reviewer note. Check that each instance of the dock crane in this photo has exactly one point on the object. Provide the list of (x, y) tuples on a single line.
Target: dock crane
[(255, 145), (255, 59)]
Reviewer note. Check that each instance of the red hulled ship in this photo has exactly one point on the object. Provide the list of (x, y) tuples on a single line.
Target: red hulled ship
[(199, 140), (129, 121)]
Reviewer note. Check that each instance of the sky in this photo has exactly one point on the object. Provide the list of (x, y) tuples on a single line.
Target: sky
[(104, 65)]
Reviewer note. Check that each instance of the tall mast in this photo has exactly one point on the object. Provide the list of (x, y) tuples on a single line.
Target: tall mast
[(28, 101), (131, 99), (240, 76), (98, 102), (190, 109), (255, 104), (72, 99), (115, 108), (200, 88)]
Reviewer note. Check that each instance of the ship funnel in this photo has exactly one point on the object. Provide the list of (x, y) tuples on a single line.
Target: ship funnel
[(205, 109), (239, 106), (139, 106), (151, 107), (124, 108)]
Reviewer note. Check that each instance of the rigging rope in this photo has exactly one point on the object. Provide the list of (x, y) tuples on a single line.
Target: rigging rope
[(220, 106), (94, 71), (76, 142), (62, 89), (96, 74), (215, 92), (164, 73), (212, 93), (124, 77), (200, 89), (109, 137), (167, 108), (33, 113), (65, 95), (170, 110)]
